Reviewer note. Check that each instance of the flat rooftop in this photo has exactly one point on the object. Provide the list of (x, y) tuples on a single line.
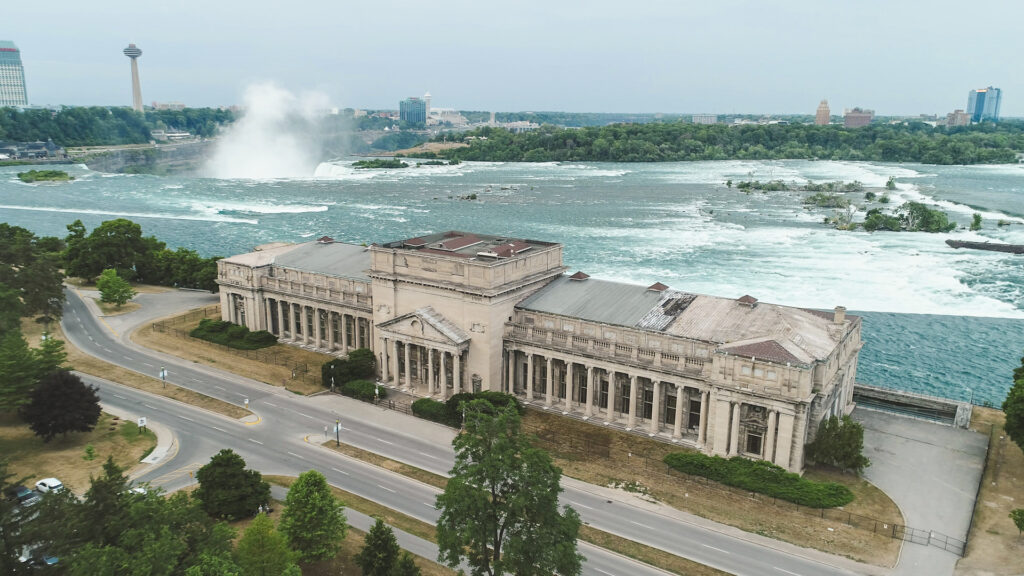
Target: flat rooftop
[(469, 246), (324, 256)]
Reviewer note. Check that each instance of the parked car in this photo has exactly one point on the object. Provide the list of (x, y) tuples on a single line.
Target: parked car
[(49, 485), (23, 496)]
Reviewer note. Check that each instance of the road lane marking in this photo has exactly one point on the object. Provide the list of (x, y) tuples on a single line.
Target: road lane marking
[(90, 339), (429, 456), (718, 549), (786, 571), (345, 429), (269, 404), (148, 406), (296, 455), (256, 441), (219, 387), (386, 442), (386, 488), (340, 471), (580, 505), (603, 572), (434, 506), (638, 524), (119, 396), (185, 418), (148, 364), (301, 414), (126, 357), (219, 429)]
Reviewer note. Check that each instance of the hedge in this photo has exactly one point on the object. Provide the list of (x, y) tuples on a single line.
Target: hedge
[(762, 477), (359, 365), (449, 413), (232, 335), (362, 390), (430, 409)]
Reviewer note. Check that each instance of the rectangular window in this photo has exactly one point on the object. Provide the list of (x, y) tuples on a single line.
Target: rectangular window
[(745, 370), (648, 406), (754, 440), (670, 409), (694, 414)]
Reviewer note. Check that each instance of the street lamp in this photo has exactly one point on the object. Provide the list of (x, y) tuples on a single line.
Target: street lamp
[(163, 376), (337, 432)]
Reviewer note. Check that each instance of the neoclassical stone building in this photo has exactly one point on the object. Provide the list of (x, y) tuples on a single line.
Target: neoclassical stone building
[(456, 311)]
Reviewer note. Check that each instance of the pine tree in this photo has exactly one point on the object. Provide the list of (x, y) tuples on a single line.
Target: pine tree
[(61, 403), (406, 566), (262, 551), (227, 490), (380, 551), (18, 371), (313, 522), (1013, 407)]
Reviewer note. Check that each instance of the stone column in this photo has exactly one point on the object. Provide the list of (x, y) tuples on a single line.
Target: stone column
[(408, 365), (317, 329), (613, 395), (330, 330), (510, 384), (568, 386), (444, 374), (385, 362), (734, 430), (294, 322), (702, 427), (769, 443), (677, 432), (344, 334), (280, 319), (723, 411), (656, 408), (430, 371), (457, 372), (267, 307), (395, 372), (357, 331), (551, 384), (306, 315), (589, 410), (631, 422), (529, 376), (784, 442)]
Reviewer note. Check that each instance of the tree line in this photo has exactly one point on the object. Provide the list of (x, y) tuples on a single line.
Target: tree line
[(99, 126), (678, 141)]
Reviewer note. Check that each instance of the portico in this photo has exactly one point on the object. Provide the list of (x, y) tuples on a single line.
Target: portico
[(423, 353)]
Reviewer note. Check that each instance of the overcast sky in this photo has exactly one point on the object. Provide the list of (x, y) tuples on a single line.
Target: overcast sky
[(722, 56)]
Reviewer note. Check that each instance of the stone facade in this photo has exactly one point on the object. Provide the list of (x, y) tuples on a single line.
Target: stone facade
[(454, 311)]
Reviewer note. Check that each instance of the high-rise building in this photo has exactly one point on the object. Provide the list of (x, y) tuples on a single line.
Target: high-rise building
[(413, 110), (12, 76), (983, 104), (857, 117), (704, 118), (958, 118), (133, 52), (823, 116), (426, 100)]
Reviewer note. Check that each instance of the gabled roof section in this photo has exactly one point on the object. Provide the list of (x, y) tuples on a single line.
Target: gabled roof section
[(657, 287), (579, 275), (768, 350), (430, 317)]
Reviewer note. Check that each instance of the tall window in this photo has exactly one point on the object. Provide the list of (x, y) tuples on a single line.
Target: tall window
[(754, 443), (648, 407), (670, 408)]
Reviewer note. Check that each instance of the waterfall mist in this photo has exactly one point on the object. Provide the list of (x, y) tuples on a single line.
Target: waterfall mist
[(277, 136)]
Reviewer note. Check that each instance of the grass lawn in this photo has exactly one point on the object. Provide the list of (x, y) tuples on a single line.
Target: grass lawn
[(83, 362), (63, 457), (241, 362), (611, 457), (995, 547), (109, 309)]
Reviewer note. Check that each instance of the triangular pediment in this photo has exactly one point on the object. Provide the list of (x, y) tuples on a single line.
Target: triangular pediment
[(425, 324)]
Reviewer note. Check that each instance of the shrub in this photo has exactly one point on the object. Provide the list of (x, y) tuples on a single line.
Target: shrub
[(362, 390), (430, 409), (494, 398), (232, 335), (839, 443), (360, 364), (762, 477)]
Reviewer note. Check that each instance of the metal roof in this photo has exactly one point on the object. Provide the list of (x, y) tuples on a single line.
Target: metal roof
[(331, 258), (594, 300)]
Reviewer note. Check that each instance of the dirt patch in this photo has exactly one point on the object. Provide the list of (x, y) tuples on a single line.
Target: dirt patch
[(87, 364), (995, 547), (295, 369), (433, 147), (139, 288), (612, 458), (109, 309), (64, 457)]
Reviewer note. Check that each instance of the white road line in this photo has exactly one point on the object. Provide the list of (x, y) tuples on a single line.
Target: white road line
[(219, 387), (718, 549), (296, 455), (301, 414), (340, 471), (386, 442), (148, 364), (186, 418), (130, 358), (580, 505), (432, 506), (638, 524), (90, 339), (119, 396), (603, 572), (386, 488), (219, 429), (148, 406), (345, 429), (429, 456), (786, 571), (256, 441), (269, 404)]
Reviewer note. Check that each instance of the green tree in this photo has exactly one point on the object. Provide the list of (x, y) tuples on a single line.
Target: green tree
[(976, 222), (213, 565), (313, 521), (12, 534), (380, 551), (113, 288), (228, 490), (1013, 407), (262, 551), (19, 371), (11, 310), (42, 287), (500, 509), (103, 511), (839, 443), (406, 566), (1017, 515), (61, 403), (50, 356)]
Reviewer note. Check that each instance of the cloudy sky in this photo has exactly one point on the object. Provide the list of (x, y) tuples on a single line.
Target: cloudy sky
[(721, 56)]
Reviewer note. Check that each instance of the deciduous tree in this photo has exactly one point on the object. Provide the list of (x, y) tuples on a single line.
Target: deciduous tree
[(500, 509), (1017, 515), (228, 490), (380, 551), (313, 522), (262, 551), (61, 403), (113, 288), (1013, 407), (839, 443)]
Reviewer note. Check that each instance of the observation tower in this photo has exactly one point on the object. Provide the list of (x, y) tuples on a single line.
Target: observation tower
[(133, 52)]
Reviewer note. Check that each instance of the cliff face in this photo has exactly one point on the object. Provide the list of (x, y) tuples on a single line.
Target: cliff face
[(163, 159)]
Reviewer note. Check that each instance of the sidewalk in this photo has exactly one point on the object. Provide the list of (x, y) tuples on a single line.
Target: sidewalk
[(166, 442)]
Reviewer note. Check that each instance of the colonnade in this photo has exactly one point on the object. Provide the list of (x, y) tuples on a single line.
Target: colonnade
[(614, 393), (771, 442), (430, 369), (319, 327)]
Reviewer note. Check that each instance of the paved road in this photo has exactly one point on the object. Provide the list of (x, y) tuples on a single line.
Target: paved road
[(276, 445)]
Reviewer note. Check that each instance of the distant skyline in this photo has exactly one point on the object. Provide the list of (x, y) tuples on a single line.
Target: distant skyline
[(896, 57)]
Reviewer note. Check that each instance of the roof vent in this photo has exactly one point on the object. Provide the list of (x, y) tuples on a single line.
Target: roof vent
[(657, 287), (324, 240), (747, 300), (579, 276), (840, 315)]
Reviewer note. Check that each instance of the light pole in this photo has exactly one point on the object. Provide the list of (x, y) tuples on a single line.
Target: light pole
[(163, 376), (337, 432)]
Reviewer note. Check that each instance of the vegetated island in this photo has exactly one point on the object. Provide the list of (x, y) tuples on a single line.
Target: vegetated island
[(677, 141), (379, 163), (44, 176)]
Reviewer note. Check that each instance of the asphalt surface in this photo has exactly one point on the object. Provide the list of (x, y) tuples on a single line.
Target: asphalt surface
[(277, 445)]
